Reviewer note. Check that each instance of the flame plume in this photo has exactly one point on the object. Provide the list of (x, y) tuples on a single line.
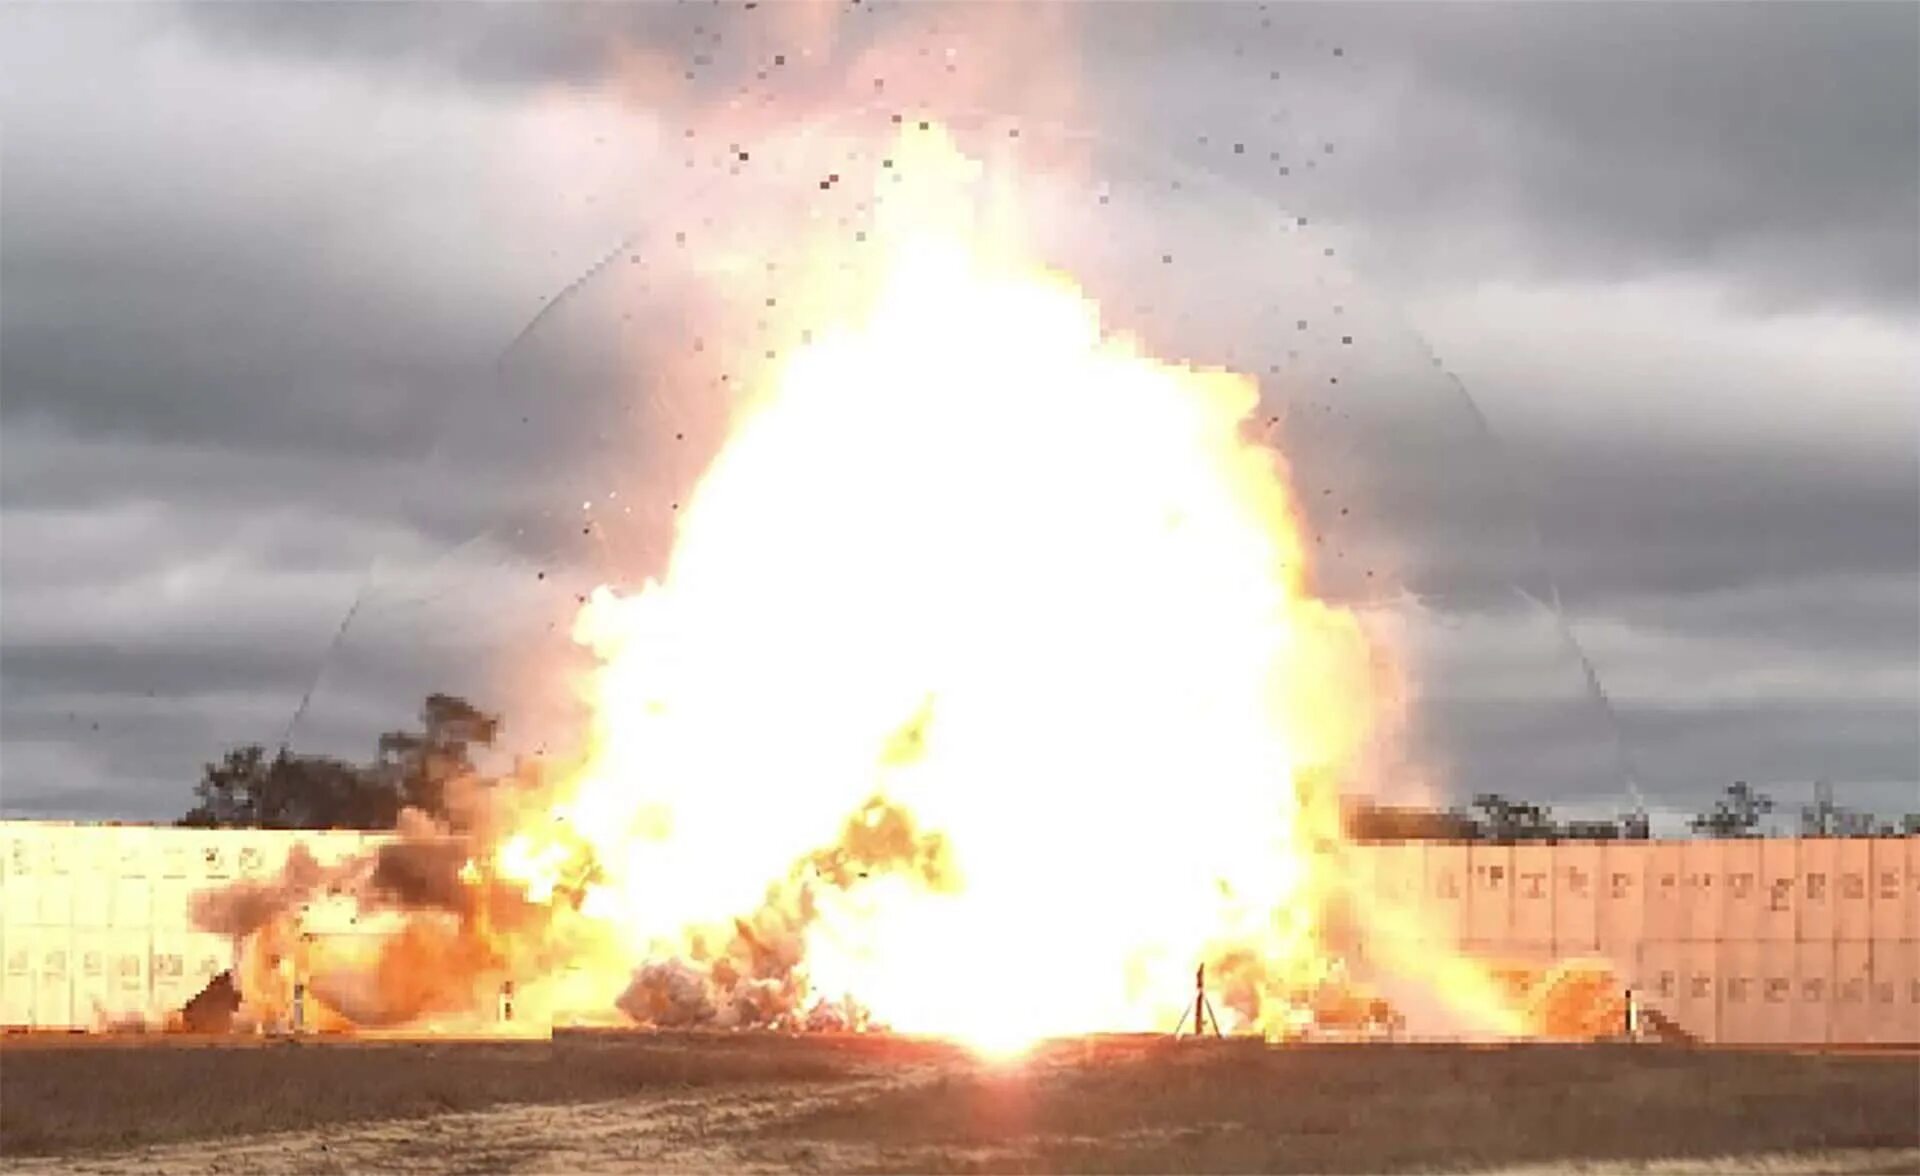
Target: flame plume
[(975, 558), (983, 695)]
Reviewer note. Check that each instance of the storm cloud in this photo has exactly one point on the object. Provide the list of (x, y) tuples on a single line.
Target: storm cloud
[(259, 263)]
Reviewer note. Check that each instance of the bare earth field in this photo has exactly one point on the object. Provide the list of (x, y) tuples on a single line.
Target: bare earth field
[(587, 1102)]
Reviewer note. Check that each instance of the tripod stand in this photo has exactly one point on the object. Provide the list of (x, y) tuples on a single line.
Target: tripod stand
[(1202, 1010)]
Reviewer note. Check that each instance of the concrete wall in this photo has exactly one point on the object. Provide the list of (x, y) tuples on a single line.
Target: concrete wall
[(1808, 941), (94, 926), (1778, 941)]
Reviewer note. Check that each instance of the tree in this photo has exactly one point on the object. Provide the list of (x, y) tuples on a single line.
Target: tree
[(229, 792), (1513, 820), (1819, 819), (248, 789), (1737, 814), (420, 765)]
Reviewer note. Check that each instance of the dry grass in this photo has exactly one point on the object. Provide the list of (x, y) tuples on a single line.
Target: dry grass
[(586, 1102), (1380, 1108), (93, 1095)]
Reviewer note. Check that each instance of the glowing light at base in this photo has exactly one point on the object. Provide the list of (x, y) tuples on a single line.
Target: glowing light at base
[(974, 557), (983, 695)]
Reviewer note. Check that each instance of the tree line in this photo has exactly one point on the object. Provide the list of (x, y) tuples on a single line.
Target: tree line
[(250, 787), (1740, 811)]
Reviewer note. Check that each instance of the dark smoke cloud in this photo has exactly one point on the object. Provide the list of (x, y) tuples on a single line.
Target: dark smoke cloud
[(246, 907)]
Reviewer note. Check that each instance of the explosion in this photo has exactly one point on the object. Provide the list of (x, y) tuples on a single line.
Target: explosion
[(976, 559), (983, 695)]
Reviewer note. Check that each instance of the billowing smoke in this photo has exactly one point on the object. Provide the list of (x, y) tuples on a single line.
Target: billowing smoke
[(422, 873), (447, 943), (457, 934), (753, 974), (245, 907)]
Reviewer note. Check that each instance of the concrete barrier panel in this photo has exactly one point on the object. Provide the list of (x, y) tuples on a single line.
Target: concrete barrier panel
[(1853, 992), (1399, 875), (20, 896), (93, 898), (43, 865), (1660, 970), (58, 846), (1490, 894), (132, 903), (1446, 886), (172, 903), (1701, 891), (169, 968), (52, 867), (130, 994), (1700, 994), (1888, 891), (53, 979), (1742, 975), (1852, 902), (93, 976), (219, 851), (1913, 887), (1624, 866), (1577, 878), (134, 852), (1894, 994), (1533, 896), (1777, 973), (1665, 897), (16, 978), (1812, 993), (16, 851), (93, 879), (1818, 857), (1779, 889), (1352, 882), (53, 902), (137, 865), (1745, 890), (262, 854), (207, 956), (173, 857), (1395, 900)]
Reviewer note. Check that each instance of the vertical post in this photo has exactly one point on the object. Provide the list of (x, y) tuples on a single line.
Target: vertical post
[(1200, 1001)]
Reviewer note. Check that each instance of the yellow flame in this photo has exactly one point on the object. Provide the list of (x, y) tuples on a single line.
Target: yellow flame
[(974, 554), (537, 868)]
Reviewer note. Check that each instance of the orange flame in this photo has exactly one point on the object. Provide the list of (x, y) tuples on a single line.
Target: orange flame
[(983, 696), (975, 556)]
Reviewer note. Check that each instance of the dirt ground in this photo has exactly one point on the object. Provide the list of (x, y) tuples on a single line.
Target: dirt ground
[(587, 1102)]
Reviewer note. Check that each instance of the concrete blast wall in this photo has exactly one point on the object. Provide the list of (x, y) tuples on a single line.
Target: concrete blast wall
[(94, 919), (1750, 941), (1780, 941)]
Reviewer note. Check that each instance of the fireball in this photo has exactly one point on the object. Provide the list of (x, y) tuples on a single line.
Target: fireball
[(973, 557)]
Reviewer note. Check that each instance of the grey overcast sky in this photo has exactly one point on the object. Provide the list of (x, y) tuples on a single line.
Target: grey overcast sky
[(255, 257)]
